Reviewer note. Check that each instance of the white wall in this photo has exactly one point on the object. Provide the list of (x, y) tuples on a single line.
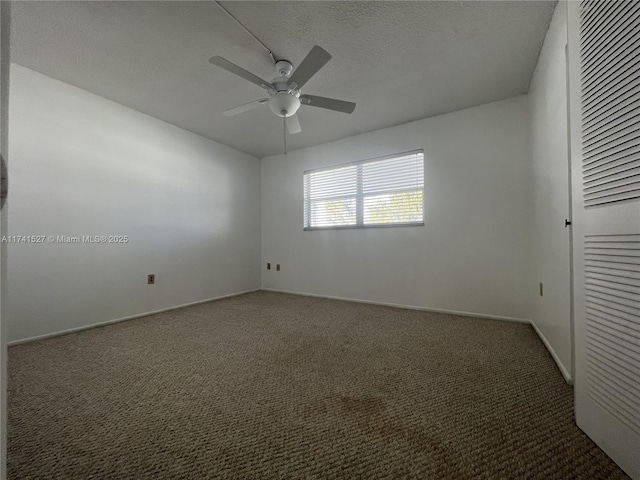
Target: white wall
[(5, 26), (82, 165), (470, 256), (550, 245)]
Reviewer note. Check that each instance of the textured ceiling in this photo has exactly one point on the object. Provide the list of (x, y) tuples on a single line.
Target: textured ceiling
[(399, 61)]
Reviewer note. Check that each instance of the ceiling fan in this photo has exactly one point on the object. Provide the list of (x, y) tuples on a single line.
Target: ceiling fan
[(284, 92)]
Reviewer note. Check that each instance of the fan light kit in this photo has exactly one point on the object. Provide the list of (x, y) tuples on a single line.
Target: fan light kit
[(285, 97)]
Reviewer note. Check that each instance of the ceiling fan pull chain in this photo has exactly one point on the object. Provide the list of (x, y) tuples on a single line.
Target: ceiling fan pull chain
[(284, 133)]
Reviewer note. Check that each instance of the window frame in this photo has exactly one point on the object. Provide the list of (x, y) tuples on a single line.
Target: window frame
[(359, 196)]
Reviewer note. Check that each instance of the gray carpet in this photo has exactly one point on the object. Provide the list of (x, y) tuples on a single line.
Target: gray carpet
[(274, 386)]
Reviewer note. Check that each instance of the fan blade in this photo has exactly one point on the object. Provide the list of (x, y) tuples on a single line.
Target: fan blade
[(241, 72), (293, 124), (328, 103), (313, 62), (245, 107)]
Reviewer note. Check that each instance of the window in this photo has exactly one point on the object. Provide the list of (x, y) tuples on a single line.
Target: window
[(385, 191)]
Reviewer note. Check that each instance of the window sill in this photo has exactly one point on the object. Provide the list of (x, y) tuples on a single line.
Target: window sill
[(352, 227)]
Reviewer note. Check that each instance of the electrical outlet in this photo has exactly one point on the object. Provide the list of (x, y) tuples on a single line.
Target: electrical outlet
[(541, 290), (268, 265), (278, 267), (151, 279)]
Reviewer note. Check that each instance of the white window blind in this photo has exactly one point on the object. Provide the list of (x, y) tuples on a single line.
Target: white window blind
[(385, 191)]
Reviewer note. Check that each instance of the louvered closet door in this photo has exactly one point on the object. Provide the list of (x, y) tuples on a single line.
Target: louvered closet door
[(604, 91)]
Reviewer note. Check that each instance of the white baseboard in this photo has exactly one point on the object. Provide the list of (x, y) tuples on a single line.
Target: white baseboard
[(408, 307), (565, 372), (122, 319)]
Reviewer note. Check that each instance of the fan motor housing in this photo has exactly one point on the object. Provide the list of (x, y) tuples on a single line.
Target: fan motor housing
[(284, 104)]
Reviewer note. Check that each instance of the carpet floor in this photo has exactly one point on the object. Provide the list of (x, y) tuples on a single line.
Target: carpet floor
[(275, 386)]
